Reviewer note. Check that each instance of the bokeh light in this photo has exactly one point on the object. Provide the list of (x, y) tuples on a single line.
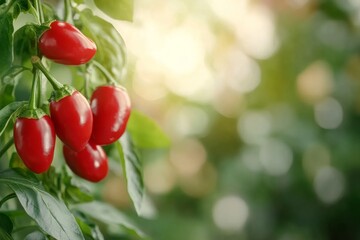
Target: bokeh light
[(329, 184), (230, 213)]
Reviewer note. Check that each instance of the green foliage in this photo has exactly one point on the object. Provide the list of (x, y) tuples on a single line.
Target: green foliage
[(6, 30), (50, 213), (90, 230), (36, 236), (117, 9), (110, 45), (145, 133), (25, 42), (132, 170), (6, 223), (8, 113), (109, 215), (4, 235)]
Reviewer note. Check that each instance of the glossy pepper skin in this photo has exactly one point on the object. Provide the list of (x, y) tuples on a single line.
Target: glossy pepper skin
[(35, 142), (73, 120), (64, 43), (111, 109), (91, 163)]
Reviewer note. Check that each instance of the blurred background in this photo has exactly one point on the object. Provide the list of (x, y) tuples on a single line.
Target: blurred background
[(261, 102)]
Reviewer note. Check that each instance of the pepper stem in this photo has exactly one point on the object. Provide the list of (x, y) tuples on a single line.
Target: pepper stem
[(68, 12), (39, 11), (34, 90), (35, 60), (105, 72)]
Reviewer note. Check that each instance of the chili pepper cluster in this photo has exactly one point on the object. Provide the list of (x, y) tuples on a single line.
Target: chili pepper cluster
[(83, 127)]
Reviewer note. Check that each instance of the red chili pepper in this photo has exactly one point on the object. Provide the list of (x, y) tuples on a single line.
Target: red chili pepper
[(35, 142), (72, 119), (111, 110), (64, 43), (91, 163)]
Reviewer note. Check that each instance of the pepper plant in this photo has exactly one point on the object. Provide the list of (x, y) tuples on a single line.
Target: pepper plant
[(61, 133)]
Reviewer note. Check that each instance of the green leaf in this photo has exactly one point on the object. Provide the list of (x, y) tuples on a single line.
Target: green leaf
[(132, 169), (90, 230), (78, 1), (22, 6), (16, 162), (117, 9), (6, 46), (8, 83), (145, 132), (36, 236), (110, 45), (5, 223), (25, 42), (4, 235), (50, 213), (8, 113), (61, 183), (109, 215)]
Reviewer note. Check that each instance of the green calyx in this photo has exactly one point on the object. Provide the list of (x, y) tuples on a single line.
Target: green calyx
[(32, 113), (60, 93)]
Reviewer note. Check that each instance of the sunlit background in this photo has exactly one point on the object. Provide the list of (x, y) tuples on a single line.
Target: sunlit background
[(261, 101)]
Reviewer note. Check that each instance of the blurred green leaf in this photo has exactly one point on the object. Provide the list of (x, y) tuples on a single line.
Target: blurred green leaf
[(22, 6), (91, 231), (16, 162), (6, 46), (4, 235), (8, 83), (36, 236), (61, 184), (79, 1), (5, 223), (110, 45), (25, 42), (117, 9), (8, 113), (109, 215), (50, 213), (145, 132), (132, 170)]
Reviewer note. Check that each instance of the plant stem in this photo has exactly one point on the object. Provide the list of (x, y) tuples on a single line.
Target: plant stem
[(39, 91), (8, 197), (39, 11), (37, 63), (86, 80), (68, 11), (6, 147), (105, 72), (34, 90)]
